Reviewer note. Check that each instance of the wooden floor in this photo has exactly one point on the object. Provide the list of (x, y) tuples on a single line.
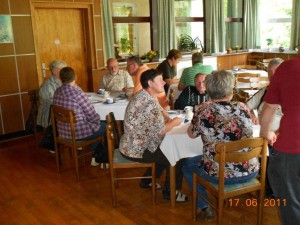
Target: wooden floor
[(33, 192)]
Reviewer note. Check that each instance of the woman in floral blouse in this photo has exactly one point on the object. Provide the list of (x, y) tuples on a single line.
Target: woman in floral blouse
[(220, 120), (144, 128)]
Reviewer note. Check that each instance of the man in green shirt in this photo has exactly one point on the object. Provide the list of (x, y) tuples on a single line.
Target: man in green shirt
[(188, 74)]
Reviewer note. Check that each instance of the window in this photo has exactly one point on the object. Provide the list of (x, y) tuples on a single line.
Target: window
[(132, 27), (276, 22), (189, 18), (233, 11)]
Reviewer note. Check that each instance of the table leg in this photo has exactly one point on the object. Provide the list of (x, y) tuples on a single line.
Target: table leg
[(172, 186)]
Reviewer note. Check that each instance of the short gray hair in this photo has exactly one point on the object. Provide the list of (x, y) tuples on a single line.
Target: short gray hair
[(59, 64), (274, 62), (219, 84)]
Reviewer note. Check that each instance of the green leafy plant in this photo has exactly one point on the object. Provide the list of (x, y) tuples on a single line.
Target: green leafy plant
[(269, 41), (124, 45), (187, 43)]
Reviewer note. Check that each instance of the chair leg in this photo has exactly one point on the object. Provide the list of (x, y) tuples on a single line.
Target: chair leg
[(260, 206), (75, 155), (58, 157), (220, 210), (194, 196), (113, 186), (153, 184)]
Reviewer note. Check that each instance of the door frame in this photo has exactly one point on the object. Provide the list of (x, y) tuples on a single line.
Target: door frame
[(89, 34)]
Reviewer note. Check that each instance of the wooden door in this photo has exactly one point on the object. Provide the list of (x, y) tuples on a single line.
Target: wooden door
[(59, 34)]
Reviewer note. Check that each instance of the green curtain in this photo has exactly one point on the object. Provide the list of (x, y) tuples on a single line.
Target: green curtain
[(107, 30), (251, 28), (215, 26), (295, 28), (166, 27)]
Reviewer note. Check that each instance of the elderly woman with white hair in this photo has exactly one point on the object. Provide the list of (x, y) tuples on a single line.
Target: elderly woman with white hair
[(220, 120), (46, 94)]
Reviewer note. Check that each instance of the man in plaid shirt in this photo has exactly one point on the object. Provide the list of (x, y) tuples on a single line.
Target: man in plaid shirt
[(88, 125)]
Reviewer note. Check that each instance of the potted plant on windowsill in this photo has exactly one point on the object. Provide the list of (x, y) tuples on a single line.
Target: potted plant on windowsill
[(269, 43), (151, 55), (187, 43), (124, 47)]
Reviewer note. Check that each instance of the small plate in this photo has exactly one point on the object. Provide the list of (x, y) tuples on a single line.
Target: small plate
[(109, 103), (172, 112)]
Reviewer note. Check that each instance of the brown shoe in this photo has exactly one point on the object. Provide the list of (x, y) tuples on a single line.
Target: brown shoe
[(207, 214)]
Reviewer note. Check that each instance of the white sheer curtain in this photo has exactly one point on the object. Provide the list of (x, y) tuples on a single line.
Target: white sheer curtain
[(166, 27)]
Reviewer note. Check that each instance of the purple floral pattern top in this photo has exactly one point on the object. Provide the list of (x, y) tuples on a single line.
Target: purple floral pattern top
[(223, 122)]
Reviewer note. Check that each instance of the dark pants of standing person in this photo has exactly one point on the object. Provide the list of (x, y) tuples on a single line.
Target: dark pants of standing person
[(161, 164), (284, 177)]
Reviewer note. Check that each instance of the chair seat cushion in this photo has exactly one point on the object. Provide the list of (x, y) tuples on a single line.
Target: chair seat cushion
[(231, 187), (118, 157)]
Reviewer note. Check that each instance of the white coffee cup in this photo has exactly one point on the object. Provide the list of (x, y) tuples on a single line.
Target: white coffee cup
[(109, 100)]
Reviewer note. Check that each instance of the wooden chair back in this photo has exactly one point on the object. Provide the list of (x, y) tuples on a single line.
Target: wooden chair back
[(234, 152), (171, 98), (62, 115), (118, 162), (248, 67)]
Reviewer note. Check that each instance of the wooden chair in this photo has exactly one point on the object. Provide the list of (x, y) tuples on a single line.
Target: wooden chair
[(252, 59), (63, 115), (118, 162), (230, 152), (171, 98), (248, 67), (247, 75), (241, 96), (259, 82), (31, 125)]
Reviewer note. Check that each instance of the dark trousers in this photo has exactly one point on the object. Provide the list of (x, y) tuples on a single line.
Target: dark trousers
[(284, 177), (161, 163)]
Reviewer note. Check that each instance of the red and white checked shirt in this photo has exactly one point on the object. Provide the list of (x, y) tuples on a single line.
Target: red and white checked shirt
[(72, 97)]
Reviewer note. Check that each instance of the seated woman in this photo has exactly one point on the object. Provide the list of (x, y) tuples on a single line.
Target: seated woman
[(220, 120), (168, 68), (193, 95), (144, 128)]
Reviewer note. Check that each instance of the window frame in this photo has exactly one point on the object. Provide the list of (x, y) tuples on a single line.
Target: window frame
[(137, 19), (195, 19)]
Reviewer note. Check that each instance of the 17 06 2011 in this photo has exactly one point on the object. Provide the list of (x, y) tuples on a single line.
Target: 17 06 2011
[(249, 202)]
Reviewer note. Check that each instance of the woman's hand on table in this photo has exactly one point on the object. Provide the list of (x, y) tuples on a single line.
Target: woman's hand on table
[(172, 123)]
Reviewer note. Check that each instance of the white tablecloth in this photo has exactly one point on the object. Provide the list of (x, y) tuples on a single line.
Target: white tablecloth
[(177, 144), (103, 109)]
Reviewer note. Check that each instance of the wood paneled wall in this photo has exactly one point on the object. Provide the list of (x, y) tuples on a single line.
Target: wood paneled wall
[(18, 71)]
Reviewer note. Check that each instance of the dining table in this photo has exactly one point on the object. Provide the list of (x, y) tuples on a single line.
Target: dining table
[(262, 73), (178, 145), (103, 108)]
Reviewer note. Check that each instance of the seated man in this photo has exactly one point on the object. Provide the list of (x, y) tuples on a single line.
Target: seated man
[(256, 102), (188, 74), (116, 80), (70, 96), (193, 95), (144, 129)]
